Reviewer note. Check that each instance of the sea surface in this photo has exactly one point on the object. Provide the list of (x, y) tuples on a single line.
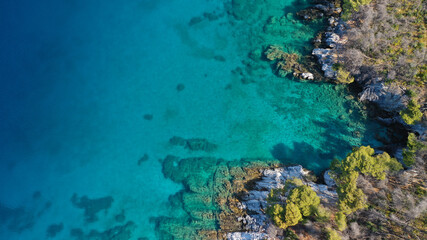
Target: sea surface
[(92, 92)]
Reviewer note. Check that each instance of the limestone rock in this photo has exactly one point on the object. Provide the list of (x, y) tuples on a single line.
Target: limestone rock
[(388, 98), (308, 76), (328, 179), (246, 236), (326, 58)]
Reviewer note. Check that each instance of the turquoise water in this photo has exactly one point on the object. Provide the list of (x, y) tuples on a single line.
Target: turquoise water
[(78, 77)]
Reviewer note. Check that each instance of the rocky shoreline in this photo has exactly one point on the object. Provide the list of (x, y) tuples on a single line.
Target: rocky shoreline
[(384, 100), (253, 202)]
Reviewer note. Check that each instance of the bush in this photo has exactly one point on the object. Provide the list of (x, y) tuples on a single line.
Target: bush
[(277, 214), (343, 76), (292, 215), (352, 5), (305, 199), (332, 234), (341, 221), (350, 197), (413, 146), (302, 201), (412, 113), (360, 160), (321, 214)]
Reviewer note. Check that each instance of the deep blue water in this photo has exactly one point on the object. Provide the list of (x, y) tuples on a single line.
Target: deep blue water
[(77, 78)]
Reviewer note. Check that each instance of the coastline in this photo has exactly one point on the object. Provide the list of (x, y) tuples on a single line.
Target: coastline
[(385, 103)]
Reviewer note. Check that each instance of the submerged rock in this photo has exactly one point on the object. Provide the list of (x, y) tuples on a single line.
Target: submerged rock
[(148, 117), (92, 206), (143, 159), (54, 229), (121, 232), (180, 87), (193, 144)]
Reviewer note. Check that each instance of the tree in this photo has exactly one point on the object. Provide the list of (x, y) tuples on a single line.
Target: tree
[(363, 160), (353, 5), (305, 198), (350, 197), (412, 113), (292, 215), (413, 146), (277, 214), (360, 160)]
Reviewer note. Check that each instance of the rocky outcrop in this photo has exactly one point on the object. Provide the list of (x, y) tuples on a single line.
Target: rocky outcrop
[(326, 58), (321, 9), (327, 177), (389, 98), (246, 236), (254, 202), (307, 75)]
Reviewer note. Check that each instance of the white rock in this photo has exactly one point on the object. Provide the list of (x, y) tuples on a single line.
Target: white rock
[(308, 76), (326, 58), (247, 236)]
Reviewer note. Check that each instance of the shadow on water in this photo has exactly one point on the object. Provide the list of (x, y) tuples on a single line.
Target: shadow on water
[(303, 154), (337, 140)]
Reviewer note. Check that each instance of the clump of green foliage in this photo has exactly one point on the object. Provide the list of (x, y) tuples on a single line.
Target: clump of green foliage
[(277, 214), (413, 146), (340, 220), (302, 201), (292, 214), (321, 214), (364, 161), (412, 113), (343, 76), (332, 234), (305, 199), (352, 5)]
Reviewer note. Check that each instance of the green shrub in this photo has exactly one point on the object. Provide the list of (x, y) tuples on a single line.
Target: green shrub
[(343, 76), (302, 201), (305, 199), (292, 214), (413, 146), (350, 197), (410, 93), (321, 214), (277, 214), (332, 234), (412, 113), (341, 221), (352, 5), (360, 160), (408, 157)]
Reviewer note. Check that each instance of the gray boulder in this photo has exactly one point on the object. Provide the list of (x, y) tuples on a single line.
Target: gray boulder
[(328, 179), (389, 98)]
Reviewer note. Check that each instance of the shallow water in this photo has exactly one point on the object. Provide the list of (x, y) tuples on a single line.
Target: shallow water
[(90, 87)]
